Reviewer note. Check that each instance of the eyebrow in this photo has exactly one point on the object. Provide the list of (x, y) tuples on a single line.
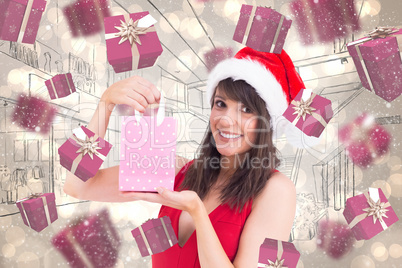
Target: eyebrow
[(220, 97)]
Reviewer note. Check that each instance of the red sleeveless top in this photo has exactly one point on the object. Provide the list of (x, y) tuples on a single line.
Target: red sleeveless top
[(228, 225)]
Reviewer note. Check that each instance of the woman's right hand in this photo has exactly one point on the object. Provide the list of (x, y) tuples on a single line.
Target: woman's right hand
[(134, 91)]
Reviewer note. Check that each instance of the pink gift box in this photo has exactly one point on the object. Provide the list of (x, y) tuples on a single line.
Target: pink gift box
[(364, 140), (155, 236), (324, 20), (126, 57), (60, 86), (383, 63), (216, 55), (147, 154), (85, 167), (310, 125), (91, 241), (267, 32), (85, 17), (19, 24), (38, 211), (362, 225), (277, 251), (34, 114), (335, 238)]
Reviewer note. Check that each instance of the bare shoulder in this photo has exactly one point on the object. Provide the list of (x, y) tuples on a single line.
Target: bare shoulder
[(180, 162), (278, 186)]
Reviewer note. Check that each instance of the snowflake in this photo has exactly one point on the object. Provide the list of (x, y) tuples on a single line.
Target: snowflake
[(29, 32), (397, 81), (7, 13), (13, 28), (265, 29), (253, 38), (35, 11), (154, 245)]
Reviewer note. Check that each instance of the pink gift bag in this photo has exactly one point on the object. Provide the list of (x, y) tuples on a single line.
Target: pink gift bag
[(148, 152)]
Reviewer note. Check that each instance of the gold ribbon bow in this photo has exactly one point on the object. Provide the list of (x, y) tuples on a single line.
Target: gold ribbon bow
[(35, 195), (88, 146), (277, 264), (130, 31), (376, 209), (381, 32), (303, 108)]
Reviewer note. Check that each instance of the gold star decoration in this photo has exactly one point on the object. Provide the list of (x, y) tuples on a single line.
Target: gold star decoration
[(130, 31), (381, 32), (376, 210), (303, 108), (277, 264), (89, 146)]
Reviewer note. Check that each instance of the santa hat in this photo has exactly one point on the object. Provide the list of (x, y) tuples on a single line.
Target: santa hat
[(274, 78)]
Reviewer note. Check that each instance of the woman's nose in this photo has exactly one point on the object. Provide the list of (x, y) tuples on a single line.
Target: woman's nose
[(230, 117)]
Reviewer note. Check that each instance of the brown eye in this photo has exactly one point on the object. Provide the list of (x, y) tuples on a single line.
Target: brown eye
[(219, 103), (247, 110)]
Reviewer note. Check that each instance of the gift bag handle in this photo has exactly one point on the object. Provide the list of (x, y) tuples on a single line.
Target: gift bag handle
[(160, 115)]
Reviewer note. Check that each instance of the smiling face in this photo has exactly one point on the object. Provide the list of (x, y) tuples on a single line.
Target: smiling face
[(234, 125)]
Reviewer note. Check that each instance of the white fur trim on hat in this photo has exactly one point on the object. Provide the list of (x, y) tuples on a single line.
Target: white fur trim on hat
[(257, 76)]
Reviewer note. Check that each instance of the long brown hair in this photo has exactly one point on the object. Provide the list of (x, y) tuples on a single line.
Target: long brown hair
[(246, 182)]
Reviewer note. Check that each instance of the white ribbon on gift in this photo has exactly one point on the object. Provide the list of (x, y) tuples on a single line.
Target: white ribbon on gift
[(25, 21), (160, 116)]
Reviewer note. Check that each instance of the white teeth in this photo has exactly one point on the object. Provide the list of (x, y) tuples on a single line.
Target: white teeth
[(228, 136)]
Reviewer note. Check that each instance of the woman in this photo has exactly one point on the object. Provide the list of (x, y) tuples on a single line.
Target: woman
[(231, 197)]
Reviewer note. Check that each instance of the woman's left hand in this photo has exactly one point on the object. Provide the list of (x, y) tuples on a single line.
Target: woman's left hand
[(185, 200)]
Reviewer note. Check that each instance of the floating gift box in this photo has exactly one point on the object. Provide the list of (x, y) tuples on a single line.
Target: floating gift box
[(20, 19), (91, 241), (324, 20), (38, 210), (85, 17), (378, 62), (262, 29), (84, 153), (148, 152), (155, 236), (309, 112), (369, 214), (277, 253), (365, 140), (34, 114), (335, 238), (216, 55), (60, 86), (131, 41)]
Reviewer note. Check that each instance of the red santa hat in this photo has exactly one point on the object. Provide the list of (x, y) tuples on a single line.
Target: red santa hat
[(274, 78)]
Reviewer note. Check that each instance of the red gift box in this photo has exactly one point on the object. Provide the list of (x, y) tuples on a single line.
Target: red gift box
[(369, 214), (155, 236), (335, 238), (38, 210), (309, 112), (324, 20), (364, 140), (85, 17), (378, 62), (277, 253), (83, 153), (216, 55), (262, 29), (33, 114), (60, 86), (20, 19), (89, 242), (131, 49)]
